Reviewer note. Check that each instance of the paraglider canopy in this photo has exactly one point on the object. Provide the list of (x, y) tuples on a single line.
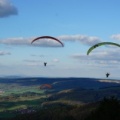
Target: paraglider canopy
[(46, 86), (100, 44), (47, 37)]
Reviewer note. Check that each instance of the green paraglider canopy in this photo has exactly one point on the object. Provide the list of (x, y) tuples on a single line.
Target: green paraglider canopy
[(100, 44)]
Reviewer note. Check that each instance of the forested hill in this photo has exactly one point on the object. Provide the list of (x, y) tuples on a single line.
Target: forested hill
[(63, 83)]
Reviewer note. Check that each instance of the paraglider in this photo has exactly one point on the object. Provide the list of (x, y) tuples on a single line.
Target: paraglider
[(45, 63), (107, 74), (47, 37), (46, 86), (100, 44)]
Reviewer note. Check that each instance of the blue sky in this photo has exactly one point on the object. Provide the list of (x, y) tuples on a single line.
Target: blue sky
[(79, 24)]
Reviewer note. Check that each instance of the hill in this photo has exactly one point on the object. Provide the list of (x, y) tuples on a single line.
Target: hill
[(23, 95)]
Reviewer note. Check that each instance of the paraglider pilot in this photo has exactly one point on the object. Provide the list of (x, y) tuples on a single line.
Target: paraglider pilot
[(45, 63), (107, 74)]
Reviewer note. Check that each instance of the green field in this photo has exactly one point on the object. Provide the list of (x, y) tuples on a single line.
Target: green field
[(15, 97), (17, 89)]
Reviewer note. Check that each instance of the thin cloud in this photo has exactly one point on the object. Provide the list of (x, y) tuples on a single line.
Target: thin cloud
[(27, 41), (15, 41), (34, 55), (4, 53), (55, 60), (29, 62), (111, 57), (115, 36), (7, 9), (87, 40)]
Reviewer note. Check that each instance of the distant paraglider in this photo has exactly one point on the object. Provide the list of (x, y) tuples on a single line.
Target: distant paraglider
[(47, 37), (46, 86), (100, 44), (45, 63), (107, 75)]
